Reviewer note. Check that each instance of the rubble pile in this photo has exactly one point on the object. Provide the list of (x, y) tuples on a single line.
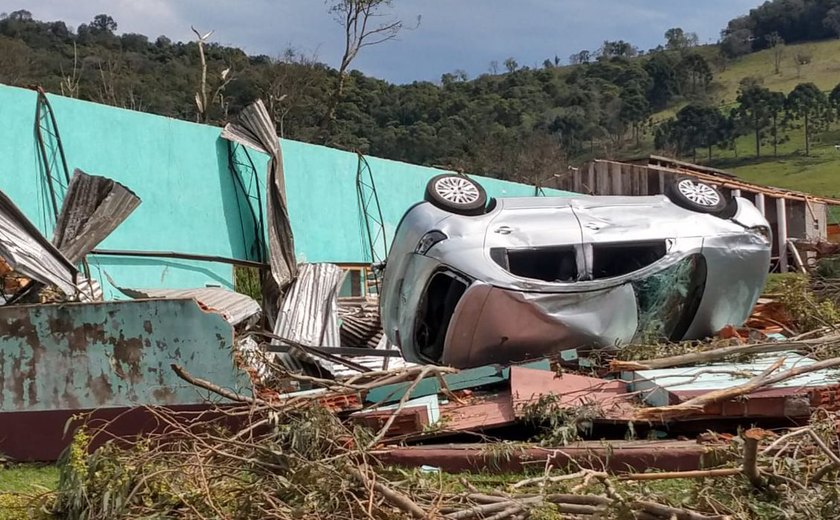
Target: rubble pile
[(333, 422)]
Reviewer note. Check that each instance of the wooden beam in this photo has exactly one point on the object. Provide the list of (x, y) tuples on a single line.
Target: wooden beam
[(782, 234), (616, 173), (590, 186), (661, 182)]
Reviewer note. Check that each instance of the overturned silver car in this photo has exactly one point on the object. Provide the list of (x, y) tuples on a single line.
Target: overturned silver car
[(468, 283)]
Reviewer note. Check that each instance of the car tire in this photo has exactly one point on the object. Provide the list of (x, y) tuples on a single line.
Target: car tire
[(456, 194), (696, 195)]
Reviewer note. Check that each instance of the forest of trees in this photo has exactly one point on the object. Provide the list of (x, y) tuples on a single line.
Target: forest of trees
[(518, 122)]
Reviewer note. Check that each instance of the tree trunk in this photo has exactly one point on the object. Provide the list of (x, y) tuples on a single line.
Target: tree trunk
[(775, 137), (807, 137), (710, 153), (757, 138)]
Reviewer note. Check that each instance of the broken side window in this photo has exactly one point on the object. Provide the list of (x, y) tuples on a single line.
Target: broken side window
[(668, 300), (610, 260), (550, 264), (443, 293)]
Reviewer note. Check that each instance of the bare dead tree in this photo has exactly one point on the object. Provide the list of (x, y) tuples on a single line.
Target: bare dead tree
[(108, 67), (290, 77), (70, 83), (360, 21), (203, 101)]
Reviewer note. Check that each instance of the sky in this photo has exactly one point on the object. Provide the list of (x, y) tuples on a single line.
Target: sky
[(452, 34)]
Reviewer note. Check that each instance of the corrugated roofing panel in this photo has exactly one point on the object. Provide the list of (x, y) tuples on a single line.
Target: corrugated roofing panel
[(235, 307)]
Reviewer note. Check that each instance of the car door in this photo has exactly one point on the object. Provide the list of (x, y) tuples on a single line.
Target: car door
[(536, 239), (621, 235)]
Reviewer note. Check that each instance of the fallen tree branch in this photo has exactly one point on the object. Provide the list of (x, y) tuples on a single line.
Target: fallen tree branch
[(406, 396), (216, 389), (824, 447), (666, 475), (718, 354), (675, 512), (394, 497), (763, 380)]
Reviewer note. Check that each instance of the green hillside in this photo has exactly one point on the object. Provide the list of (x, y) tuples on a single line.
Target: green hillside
[(823, 70), (818, 173)]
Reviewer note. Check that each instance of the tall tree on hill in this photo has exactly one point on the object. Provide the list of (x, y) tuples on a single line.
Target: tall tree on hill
[(695, 74), (737, 39), (635, 109), (618, 49), (753, 110), (776, 109), (695, 126), (676, 39), (665, 84), (359, 19), (808, 103), (834, 101), (832, 20), (777, 46)]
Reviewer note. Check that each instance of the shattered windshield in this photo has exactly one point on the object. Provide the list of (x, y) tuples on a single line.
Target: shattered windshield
[(668, 299)]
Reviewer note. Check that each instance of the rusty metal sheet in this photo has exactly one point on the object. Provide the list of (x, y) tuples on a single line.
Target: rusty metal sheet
[(93, 207), (111, 354), (27, 252)]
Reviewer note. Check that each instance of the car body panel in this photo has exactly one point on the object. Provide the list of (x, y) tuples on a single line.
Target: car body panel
[(704, 272)]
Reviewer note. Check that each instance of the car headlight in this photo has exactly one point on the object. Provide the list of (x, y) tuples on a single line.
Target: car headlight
[(762, 231), (429, 239)]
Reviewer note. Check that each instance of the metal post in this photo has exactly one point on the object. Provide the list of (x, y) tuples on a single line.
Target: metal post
[(781, 234), (759, 203)]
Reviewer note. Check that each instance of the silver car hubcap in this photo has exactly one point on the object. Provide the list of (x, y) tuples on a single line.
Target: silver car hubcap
[(457, 190), (699, 193)]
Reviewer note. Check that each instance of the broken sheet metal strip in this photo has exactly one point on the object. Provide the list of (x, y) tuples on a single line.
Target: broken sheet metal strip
[(234, 307), (27, 252), (309, 313), (93, 208), (255, 129)]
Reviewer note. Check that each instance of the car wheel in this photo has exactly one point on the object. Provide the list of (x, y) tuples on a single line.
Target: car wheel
[(457, 194), (696, 195)]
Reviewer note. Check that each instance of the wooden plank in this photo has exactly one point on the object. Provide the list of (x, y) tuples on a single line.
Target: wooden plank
[(615, 176), (590, 179), (577, 185), (800, 265), (661, 182), (782, 234), (602, 184)]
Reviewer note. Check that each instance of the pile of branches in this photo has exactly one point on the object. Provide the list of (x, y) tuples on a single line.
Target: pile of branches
[(293, 458)]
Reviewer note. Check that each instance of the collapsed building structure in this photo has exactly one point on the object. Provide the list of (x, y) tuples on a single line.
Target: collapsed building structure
[(150, 258)]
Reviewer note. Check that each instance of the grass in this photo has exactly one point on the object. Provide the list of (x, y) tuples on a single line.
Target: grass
[(824, 69), (20, 485), (816, 173)]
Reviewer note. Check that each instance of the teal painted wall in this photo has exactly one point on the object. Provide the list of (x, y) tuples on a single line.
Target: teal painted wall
[(111, 354), (190, 200)]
